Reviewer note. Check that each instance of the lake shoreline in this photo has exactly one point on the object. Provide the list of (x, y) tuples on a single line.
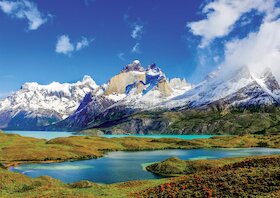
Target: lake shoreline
[(15, 148), (103, 151), (131, 162), (16, 163), (9, 165)]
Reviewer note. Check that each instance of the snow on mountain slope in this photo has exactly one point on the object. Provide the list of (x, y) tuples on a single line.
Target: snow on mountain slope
[(238, 88), (269, 83), (179, 86), (55, 101)]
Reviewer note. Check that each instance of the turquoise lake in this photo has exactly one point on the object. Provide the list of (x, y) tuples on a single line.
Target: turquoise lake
[(41, 134), (125, 166), (54, 134)]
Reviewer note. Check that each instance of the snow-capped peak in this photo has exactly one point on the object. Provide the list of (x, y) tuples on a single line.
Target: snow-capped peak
[(134, 66), (137, 62), (237, 87), (60, 87), (88, 79), (153, 70), (268, 83), (179, 86), (61, 98), (52, 87)]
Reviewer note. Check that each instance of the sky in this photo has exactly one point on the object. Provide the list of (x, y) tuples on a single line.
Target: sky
[(63, 40)]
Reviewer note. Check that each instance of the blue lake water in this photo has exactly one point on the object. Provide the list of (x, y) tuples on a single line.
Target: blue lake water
[(125, 166), (41, 134), (55, 134)]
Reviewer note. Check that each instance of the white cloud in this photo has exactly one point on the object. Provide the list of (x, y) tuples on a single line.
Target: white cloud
[(83, 43), (221, 15), (136, 26), (24, 9), (137, 31), (121, 56), (65, 46), (7, 6), (257, 51), (136, 49)]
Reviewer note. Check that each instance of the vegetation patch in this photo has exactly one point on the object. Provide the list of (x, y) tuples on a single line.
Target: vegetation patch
[(252, 177), (83, 184)]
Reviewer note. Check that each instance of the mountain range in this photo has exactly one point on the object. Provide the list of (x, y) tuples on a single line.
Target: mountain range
[(37, 105), (143, 100)]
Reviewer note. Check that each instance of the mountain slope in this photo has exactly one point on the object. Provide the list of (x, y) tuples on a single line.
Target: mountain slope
[(37, 105), (237, 89), (91, 107)]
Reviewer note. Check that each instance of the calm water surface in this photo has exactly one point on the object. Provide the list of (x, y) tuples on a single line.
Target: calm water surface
[(42, 134), (55, 134), (124, 166)]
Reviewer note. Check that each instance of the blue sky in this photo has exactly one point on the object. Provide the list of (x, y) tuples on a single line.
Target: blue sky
[(29, 55), (64, 40)]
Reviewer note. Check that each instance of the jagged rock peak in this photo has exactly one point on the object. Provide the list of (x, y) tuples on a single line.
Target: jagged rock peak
[(178, 83), (56, 86), (154, 70), (267, 74), (236, 74), (134, 66), (212, 74), (88, 79), (270, 80)]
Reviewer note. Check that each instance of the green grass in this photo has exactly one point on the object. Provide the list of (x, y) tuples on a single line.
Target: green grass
[(174, 166), (250, 177)]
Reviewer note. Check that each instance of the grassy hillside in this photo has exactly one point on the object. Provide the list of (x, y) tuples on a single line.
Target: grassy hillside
[(175, 166), (253, 177), (210, 121)]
